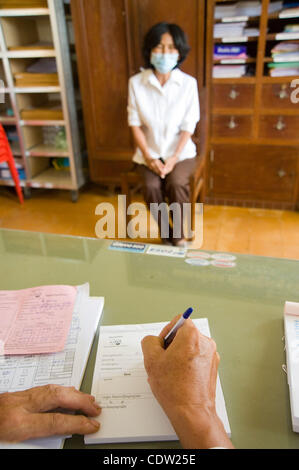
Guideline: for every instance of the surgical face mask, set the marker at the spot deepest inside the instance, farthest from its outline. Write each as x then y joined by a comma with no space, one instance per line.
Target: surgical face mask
164,63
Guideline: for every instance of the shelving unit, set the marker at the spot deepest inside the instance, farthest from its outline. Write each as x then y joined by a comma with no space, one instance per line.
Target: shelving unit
253,125
40,103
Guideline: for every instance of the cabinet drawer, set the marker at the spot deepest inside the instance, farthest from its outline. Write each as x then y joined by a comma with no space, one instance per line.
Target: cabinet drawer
231,126
233,96
279,127
251,172
280,95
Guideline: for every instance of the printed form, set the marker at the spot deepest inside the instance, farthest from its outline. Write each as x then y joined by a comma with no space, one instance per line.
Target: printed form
36,320
64,368
130,412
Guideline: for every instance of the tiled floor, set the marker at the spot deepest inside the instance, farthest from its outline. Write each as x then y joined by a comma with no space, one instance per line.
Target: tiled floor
230,229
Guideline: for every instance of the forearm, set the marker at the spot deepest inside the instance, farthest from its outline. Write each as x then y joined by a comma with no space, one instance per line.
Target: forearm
184,137
199,430
140,141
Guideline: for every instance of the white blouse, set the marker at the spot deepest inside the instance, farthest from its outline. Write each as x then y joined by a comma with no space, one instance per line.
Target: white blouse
164,112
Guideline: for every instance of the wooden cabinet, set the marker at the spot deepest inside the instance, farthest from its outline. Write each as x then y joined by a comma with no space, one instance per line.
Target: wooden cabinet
253,173
109,37
254,137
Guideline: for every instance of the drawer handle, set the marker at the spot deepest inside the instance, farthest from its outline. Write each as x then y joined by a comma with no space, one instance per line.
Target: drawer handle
281,173
232,123
280,125
282,94
233,94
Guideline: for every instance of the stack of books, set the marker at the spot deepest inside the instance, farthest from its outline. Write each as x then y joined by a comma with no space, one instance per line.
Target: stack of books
5,171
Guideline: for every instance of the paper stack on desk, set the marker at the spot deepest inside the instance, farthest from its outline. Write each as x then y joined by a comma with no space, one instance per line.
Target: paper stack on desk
291,328
66,368
130,413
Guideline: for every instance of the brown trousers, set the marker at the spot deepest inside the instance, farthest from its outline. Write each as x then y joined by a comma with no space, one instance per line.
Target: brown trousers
174,188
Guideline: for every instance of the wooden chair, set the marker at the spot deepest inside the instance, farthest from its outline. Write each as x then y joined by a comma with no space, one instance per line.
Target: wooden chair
131,181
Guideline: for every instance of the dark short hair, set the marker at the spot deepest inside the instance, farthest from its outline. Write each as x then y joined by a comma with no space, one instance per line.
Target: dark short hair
153,38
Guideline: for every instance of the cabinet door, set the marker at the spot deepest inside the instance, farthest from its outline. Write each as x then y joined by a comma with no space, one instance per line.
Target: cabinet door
256,173
102,53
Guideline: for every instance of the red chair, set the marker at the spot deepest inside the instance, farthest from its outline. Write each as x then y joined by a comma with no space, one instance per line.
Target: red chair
7,156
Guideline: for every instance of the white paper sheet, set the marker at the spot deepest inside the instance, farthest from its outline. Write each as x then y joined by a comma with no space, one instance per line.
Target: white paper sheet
129,410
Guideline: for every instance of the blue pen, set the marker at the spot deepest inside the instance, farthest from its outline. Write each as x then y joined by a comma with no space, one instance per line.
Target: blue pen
169,337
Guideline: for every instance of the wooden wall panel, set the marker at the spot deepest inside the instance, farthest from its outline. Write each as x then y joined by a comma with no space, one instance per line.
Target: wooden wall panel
189,15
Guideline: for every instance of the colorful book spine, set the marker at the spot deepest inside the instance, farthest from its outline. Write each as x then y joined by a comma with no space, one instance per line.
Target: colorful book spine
229,50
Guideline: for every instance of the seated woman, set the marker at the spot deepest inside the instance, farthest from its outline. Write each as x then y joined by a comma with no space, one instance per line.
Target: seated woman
163,112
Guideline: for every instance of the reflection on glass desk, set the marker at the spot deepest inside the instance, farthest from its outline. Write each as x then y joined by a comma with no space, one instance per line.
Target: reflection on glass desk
244,306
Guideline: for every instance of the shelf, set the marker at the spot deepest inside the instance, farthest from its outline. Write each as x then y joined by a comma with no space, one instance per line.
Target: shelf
43,150
250,60
52,179
232,111
232,40
40,103
276,16
28,53
236,19
40,122
279,79
283,36
9,12
250,80
41,89
7,120
10,182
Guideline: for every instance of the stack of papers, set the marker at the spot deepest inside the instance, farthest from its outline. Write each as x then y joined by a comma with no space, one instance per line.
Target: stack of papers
229,71
275,6
291,31
238,9
291,328
285,57
234,32
24,370
130,412
289,13
285,52
229,29
224,11
230,52
245,10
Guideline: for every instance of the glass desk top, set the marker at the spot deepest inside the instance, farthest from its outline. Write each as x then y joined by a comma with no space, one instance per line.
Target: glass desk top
244,306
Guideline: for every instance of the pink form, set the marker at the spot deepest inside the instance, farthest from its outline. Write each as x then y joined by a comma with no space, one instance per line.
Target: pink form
36,320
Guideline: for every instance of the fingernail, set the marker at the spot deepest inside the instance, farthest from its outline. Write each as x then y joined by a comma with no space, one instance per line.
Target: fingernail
94,423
